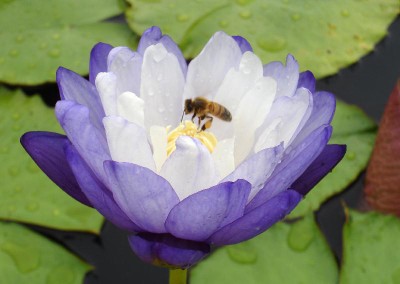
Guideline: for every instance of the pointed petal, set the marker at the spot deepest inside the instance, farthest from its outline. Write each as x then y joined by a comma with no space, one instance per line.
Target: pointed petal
207,71
161,87
47,150
307,80
98,60
152,36
189,168
165,250
320,167
75,88
294,163
96,192
258,220
126,65
143,195
91,145
128,142
257,169
243,44
201,214
286,76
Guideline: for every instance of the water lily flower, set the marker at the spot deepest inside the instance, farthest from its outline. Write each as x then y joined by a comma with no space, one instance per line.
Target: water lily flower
178,190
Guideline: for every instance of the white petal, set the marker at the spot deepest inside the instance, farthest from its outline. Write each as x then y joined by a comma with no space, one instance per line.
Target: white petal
207,71
158,136
106,84
161,87
189,168
131,108
223,157
126,65
287,114
128,142
251,113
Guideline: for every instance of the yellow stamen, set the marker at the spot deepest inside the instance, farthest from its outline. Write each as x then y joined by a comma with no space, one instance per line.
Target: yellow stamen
188,128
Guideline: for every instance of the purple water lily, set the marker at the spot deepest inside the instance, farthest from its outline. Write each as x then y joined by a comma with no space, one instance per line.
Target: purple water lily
180,191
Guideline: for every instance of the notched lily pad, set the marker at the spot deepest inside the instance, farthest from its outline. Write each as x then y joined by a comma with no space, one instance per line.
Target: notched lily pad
371,254
26,257
27,194
323,35
39,36
351,126
264,259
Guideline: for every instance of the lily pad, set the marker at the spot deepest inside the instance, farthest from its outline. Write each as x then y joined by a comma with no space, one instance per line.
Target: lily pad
351,126
371,254
264,259
26,257
27,194
39,36
323,35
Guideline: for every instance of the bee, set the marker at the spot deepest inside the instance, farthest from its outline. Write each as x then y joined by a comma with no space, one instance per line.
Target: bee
203,108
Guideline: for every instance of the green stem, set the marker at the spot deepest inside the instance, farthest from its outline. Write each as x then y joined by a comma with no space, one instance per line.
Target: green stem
177,276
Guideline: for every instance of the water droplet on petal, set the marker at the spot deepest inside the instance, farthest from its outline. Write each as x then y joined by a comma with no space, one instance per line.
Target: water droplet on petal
350,155
150,93
246,14
242,253
14,53
182,17
159,77
301,235
272,44
26,258
61,274
161,109
55,52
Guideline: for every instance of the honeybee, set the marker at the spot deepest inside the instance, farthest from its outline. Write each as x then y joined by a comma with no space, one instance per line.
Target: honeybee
203,108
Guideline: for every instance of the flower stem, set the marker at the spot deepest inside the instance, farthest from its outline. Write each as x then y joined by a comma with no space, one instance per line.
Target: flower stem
177,276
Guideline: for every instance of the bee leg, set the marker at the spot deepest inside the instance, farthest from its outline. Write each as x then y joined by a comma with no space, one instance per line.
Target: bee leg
194,115
183,113
208,123
200,119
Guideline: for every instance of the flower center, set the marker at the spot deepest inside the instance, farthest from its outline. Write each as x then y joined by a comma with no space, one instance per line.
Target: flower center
188,128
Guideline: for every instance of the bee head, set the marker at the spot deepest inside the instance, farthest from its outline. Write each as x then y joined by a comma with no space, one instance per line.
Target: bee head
188,106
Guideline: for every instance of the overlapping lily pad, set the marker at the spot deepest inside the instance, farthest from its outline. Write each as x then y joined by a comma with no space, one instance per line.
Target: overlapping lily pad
323,35
26,257
351,126
371,249
39,36
27,195
265,259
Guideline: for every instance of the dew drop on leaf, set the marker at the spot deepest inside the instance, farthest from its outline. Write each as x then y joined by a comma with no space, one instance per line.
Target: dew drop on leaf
26,259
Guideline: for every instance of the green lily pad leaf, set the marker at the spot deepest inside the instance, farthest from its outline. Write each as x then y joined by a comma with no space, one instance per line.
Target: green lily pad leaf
370,249
351,126
323,35
42,35
26,257
27,194
264,259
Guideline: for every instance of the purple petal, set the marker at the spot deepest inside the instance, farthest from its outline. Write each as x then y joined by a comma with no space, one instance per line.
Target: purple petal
243,44
75,88
286,76
325,162
324,105
258,220
87,139
46,149
201,214
96,192
153,36
144,196
307,80
293,165
98,60
165,250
